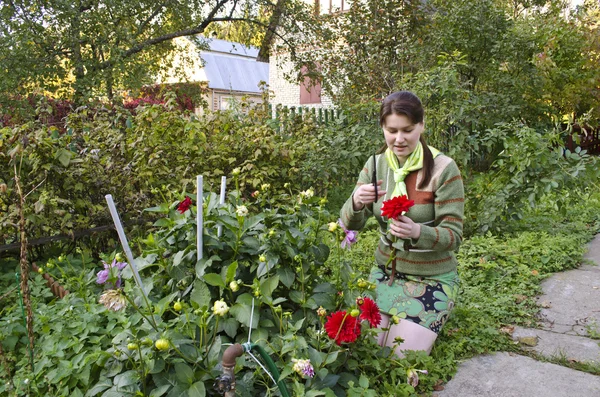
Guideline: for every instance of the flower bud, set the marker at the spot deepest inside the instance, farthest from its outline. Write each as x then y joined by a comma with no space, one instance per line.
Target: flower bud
360,301
236,171
220,308
177,306
321,312
234,286
41,270
262,258
162,344
355,313
132,346
241,210
332,226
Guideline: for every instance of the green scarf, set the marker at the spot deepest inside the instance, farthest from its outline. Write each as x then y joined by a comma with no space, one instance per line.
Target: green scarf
413,162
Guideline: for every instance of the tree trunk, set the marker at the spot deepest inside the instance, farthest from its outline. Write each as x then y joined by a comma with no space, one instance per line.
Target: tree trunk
267,42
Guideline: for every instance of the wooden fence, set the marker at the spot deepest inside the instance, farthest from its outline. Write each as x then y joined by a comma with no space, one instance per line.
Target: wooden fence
320,115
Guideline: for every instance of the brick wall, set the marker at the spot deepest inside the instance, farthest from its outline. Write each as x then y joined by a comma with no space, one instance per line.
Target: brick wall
286,93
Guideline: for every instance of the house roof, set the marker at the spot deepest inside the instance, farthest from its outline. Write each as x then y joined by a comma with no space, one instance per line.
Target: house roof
229,47
233,67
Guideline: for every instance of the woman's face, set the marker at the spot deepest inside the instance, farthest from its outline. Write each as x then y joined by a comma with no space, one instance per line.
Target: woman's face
401,135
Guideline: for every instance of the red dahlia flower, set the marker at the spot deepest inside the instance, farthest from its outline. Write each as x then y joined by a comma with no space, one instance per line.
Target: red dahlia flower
342,327
395,207
370,312
184,205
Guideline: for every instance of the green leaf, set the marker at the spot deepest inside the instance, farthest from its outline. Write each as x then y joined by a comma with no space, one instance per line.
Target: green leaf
127,378
178,257
159,391
313,393
329,381
316,357
184,373
163,208
287,276
164,303
243,309
363,381
200,296
63,156
99,387
267,286
320,252
296,296
331,357
231,272
230,326
215,352
205,263
197,390
214,279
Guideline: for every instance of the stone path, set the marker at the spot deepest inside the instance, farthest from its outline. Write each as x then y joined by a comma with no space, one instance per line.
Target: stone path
570,315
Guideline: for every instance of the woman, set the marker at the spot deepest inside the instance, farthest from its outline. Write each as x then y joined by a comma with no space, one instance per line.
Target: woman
418,293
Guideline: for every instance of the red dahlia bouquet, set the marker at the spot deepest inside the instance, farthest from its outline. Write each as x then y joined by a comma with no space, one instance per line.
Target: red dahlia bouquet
393,209
396,207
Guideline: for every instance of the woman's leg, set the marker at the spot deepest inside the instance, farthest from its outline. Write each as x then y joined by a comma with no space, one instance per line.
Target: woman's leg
415,336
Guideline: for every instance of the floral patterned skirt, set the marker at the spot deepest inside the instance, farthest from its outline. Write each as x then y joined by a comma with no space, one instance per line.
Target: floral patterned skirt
424,300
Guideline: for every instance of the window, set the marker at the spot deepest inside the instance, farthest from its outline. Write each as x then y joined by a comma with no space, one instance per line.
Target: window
310,90
331,6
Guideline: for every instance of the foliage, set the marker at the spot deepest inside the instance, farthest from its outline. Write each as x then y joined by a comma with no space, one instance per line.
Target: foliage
95,49
474,64
530,165
279,255
189,96
268,270
143,155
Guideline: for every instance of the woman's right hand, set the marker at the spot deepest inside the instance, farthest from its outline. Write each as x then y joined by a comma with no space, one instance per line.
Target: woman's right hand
366,195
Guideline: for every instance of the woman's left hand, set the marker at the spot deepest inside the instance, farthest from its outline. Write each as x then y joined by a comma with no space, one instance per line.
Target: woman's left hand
404,227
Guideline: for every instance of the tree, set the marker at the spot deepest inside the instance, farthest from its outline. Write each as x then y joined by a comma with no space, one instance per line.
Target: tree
89,48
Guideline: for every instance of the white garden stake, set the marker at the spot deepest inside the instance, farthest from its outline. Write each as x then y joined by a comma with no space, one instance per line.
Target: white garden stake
222,201
199,211
124,243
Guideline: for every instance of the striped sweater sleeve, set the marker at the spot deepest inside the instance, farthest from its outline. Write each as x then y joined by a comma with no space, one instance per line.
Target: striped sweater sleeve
355,220
449,202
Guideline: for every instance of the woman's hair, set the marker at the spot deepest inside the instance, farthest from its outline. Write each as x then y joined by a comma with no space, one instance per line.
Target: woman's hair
405,103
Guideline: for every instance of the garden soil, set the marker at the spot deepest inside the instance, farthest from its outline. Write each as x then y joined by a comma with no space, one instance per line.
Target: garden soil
569,329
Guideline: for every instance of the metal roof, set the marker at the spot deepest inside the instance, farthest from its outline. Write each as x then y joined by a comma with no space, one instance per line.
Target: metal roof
228,47
233,67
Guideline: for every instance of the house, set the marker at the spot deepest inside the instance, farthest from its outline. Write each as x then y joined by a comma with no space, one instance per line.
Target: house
230,70
308,93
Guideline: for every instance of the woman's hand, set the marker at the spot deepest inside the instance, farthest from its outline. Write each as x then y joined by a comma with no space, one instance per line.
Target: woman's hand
366,195
404,227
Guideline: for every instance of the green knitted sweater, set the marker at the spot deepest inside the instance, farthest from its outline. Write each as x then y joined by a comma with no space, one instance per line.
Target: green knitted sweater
439,208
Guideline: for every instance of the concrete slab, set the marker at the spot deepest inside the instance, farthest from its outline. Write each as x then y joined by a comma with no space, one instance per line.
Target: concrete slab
553,344
593,252
510,375
571,301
